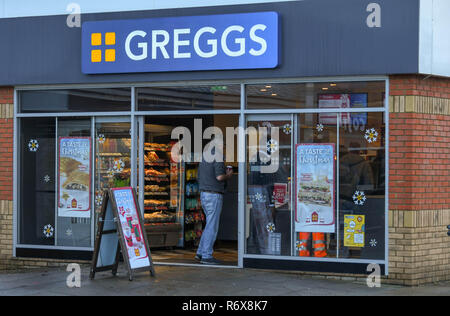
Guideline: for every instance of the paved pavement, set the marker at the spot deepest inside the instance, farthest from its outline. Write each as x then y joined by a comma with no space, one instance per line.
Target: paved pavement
199,281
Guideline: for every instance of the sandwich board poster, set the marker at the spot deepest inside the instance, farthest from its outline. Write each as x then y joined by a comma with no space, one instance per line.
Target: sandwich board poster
131,225
314,188
74,177
120,230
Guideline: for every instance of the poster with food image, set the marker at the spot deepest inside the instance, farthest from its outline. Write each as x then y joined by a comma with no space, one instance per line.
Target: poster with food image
314,188
74,177
132,228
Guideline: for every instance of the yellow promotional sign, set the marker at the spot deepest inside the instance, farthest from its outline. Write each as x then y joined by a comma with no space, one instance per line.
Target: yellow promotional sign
354,227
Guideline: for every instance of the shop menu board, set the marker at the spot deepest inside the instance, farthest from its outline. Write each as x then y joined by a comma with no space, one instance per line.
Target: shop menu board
314,188
120,216
74,177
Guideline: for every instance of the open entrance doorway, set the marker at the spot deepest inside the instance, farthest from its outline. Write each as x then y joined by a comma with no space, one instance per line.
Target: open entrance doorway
169,190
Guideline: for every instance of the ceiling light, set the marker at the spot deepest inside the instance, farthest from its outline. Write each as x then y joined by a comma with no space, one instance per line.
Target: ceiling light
263,90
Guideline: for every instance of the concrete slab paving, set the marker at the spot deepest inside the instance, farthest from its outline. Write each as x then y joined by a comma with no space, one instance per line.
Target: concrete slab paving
198,281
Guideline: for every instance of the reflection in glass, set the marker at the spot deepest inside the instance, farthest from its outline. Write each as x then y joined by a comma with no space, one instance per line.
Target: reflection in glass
362,186
316,95
189,98
112,158
37,181
268,188
75,100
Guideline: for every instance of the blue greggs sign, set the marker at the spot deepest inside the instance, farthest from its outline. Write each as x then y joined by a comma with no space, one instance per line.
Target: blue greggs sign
213,42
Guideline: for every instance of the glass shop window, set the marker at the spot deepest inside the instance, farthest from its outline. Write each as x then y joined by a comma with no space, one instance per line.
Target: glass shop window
322,95
221,97
75,100
37,181
74,194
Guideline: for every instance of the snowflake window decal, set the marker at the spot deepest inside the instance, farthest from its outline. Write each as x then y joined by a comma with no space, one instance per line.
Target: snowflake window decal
287,129
46,178
259,197
48,231
119,165
270,227
359,198
319,127
298,245
272,146
33,145
69,232
371,135
98,199
101,138
373,243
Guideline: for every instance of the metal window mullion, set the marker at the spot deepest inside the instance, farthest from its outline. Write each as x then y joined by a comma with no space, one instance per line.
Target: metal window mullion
276,111
133,148
74,114
16,158
93,166
294,138
242,197
338,135
56,182
386,179
141,163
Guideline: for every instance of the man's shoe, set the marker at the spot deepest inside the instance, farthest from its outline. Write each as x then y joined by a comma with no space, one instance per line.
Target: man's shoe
198,258
211,261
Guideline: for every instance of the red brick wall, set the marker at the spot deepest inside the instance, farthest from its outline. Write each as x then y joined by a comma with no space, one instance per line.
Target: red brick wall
6,143
419,176
419,85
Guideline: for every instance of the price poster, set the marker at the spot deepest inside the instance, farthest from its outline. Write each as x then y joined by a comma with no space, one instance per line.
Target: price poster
74,177
314,188
130,223
280,195
354,227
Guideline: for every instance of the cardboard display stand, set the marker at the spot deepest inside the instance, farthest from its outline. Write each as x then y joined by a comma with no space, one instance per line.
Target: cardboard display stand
121,229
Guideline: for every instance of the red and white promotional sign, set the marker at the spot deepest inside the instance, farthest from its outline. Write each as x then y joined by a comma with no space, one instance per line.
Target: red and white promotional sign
334,101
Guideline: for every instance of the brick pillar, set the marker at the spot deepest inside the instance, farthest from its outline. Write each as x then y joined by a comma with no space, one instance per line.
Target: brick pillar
6,175
419,179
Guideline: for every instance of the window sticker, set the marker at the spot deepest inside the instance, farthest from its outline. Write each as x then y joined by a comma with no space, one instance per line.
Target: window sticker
359,198
371,135
272,146
48,231
101,138
319,127
33,145
287,129
270,227
118,165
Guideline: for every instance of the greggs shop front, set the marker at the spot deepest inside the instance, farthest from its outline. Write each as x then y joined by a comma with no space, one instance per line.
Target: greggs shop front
315,105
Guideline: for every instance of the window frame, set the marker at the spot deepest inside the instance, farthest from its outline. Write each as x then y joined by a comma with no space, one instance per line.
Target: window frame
242,112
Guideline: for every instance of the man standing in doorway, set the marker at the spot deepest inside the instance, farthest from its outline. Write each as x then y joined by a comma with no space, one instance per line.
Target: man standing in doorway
212,177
